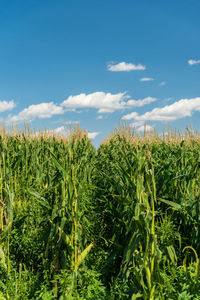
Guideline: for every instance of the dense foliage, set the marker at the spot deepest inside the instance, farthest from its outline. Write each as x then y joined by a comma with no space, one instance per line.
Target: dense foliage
120,222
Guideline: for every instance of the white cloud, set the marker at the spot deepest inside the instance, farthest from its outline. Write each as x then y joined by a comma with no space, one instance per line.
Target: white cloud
148,128
6,105
162,83
99,117
104,102
140,126
92,135
105,110
193,62
131,116
62,130
41,111
146,79
180,109
137,123
140,102
124,67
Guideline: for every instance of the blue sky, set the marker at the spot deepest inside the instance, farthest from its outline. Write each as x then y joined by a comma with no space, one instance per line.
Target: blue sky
99,62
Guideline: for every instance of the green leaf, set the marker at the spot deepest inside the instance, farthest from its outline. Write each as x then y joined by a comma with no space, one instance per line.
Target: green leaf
171,203
2,258
41,200
172,254
58,165
83,255
135,296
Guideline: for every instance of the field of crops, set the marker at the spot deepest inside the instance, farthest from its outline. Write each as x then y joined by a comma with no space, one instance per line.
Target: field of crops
120,222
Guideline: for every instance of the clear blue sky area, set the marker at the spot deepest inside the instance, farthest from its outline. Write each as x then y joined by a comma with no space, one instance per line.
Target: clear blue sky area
98,62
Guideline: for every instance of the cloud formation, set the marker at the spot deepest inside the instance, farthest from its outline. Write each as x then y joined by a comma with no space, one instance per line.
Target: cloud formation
193,62
178,110
41,111
148,128
146,79
140,102
62,130
92,135
125,67
7,105
104,102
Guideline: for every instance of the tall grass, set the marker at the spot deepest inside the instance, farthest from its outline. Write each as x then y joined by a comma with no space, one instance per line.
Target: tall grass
120,222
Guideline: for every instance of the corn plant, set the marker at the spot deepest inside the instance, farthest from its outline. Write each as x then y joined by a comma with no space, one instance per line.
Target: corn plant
121,222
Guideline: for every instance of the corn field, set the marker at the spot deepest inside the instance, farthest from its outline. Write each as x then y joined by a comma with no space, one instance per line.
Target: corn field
119,222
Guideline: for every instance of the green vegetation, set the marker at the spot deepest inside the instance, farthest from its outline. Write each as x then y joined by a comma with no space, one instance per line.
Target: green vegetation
120,222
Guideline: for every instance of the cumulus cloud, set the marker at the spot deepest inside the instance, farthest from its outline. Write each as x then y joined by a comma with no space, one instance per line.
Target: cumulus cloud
104,102
41,111
125,67
193,62
131,116
148,128
146,79
137,123
178,110
92,135
62,130
140,102
7,105
140,126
